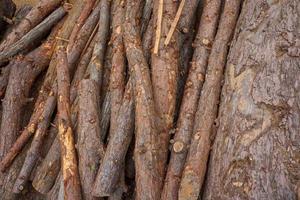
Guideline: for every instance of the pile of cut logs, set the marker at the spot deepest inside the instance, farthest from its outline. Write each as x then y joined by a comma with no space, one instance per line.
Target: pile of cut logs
150,99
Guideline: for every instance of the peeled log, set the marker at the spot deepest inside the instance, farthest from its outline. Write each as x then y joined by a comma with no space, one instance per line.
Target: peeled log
256,150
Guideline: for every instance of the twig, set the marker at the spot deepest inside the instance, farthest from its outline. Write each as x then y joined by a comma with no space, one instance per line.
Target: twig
174,23
96,65
158,26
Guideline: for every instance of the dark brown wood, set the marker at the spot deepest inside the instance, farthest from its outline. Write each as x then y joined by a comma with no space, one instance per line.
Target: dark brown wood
112,165
89,144
147,41
82,36
195,166
69,165
258,137
117,76
49,168
20,14
33,34
105,115
96,64
148,172
54,192
193,86
191,12
85,13
33,153
146,16
164,79
7,10
49,83
28,68
34,17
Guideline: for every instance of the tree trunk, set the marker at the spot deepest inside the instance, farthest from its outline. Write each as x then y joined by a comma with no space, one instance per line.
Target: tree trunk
256,150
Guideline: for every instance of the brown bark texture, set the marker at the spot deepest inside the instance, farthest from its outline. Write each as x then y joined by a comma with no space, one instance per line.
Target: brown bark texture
49,168
35,16
85,13
193,86
256,150
112,165
49,83
117,76
24,71
33,35
89,144
195,165
148,171
164,79
69,165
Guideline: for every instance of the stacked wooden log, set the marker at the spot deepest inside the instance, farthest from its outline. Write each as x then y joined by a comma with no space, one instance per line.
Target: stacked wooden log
149,100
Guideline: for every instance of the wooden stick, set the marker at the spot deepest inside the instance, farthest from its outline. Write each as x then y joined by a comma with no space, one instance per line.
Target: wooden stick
85,13
33,152
33,35
83,36
164,82
174,23
35,16
117,75
33,68
147,40
195,166
49,168
147,11
148,174
158,26
70,173
90,146
204,39
48,83
96,65
112,165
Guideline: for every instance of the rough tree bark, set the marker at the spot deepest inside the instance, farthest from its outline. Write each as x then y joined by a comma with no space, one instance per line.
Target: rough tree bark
89,4
256,150
35,16
89,144
33,34
148,170
164,79
117,76
69,162
49,168
49,83
112,165
195,165
183,134
24,71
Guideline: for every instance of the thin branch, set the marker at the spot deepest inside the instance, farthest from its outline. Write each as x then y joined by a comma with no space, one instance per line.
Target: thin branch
158,26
